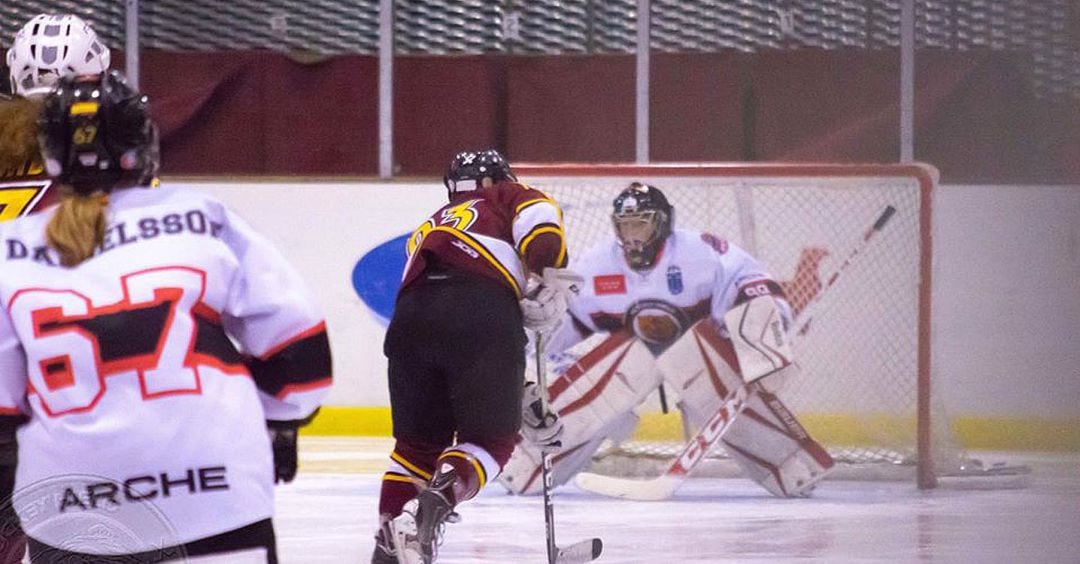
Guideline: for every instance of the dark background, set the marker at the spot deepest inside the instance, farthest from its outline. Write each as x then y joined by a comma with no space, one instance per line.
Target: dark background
264,113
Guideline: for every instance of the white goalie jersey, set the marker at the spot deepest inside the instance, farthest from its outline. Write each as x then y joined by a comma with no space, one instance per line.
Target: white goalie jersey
146,373
696,275
632,331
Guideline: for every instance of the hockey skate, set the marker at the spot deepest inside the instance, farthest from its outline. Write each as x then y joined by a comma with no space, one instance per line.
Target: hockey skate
417,532
384,552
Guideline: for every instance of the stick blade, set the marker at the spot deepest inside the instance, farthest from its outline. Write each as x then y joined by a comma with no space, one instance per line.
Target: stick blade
656,489
584,551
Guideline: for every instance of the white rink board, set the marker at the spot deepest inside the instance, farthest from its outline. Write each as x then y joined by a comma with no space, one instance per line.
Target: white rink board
1006,270
324,229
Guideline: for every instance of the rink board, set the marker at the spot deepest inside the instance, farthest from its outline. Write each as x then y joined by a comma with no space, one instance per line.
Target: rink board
327,229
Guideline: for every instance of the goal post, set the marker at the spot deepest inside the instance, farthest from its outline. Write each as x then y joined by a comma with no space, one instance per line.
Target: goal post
863,342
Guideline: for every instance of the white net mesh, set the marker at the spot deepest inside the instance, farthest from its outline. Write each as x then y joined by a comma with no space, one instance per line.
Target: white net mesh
857,392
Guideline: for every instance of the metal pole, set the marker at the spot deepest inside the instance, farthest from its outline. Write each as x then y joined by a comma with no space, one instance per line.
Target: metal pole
641,148
907,81
386,88
131,43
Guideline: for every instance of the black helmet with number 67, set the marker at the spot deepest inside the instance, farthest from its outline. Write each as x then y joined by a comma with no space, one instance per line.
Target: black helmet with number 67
96,134
643,220
469,170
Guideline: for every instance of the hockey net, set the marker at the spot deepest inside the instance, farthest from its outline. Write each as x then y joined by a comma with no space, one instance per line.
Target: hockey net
864,390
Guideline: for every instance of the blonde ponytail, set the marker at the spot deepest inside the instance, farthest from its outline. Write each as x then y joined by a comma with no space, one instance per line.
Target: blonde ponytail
78,228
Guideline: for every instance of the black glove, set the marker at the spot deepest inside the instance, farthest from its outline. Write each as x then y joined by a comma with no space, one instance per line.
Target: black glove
283,441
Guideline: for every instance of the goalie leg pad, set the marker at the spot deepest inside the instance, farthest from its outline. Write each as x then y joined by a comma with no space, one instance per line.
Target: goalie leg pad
700,369
774,450
606,377
523,474
610,377
766,440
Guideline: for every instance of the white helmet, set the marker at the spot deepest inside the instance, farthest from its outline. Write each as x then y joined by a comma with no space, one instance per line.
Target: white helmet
51,46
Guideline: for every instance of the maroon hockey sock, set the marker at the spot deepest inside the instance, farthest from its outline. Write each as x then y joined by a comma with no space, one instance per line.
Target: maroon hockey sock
412,463
395,493
475,464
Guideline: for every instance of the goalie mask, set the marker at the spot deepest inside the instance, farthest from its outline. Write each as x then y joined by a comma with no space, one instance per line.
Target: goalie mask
469,170
49,47
643,220
96,134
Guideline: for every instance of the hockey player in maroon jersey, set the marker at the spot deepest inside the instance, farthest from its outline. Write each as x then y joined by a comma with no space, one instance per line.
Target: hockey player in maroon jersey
158,353
456,348
44,49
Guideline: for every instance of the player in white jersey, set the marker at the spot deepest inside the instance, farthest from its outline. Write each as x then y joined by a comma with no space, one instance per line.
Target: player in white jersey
45,48
648,289
149,338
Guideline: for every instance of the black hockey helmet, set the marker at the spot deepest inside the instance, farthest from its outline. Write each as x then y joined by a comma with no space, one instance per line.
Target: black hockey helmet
643,220
469,169
96,134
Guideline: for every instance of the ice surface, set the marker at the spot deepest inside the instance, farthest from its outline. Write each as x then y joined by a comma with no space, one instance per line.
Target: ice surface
329,515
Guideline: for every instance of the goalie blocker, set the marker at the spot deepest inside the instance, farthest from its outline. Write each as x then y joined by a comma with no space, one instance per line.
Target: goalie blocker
612,374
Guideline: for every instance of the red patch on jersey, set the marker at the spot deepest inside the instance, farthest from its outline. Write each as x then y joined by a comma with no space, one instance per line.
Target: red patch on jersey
609,284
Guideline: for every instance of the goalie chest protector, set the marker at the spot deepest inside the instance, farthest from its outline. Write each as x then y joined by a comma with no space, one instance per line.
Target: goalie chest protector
695,276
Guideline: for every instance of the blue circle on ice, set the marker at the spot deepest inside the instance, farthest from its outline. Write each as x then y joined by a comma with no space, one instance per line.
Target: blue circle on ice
377,275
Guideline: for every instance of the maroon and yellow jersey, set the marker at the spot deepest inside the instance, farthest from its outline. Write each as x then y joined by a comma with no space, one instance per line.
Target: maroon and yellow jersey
503,232
23,190
23,184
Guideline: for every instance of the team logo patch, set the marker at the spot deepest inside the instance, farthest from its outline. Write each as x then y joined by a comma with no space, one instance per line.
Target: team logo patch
674,280
608,284
656,322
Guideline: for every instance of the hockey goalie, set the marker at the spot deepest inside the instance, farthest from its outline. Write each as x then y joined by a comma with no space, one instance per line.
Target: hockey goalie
687,311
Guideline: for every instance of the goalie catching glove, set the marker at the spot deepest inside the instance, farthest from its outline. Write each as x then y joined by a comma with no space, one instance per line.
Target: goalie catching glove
547,298
540,425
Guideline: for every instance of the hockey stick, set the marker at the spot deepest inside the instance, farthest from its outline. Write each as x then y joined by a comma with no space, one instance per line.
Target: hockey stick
583,551
878,225
664,486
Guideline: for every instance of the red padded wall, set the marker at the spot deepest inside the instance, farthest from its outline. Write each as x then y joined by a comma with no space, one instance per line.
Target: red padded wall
977,118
